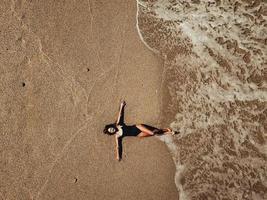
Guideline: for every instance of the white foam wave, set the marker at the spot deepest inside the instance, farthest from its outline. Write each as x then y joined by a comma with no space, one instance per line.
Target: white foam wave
217,62
138,29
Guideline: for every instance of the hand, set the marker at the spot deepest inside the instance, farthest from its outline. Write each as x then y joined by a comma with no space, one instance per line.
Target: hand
123,103
118,158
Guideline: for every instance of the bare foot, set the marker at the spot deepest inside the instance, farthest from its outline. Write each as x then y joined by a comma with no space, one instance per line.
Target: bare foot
172,132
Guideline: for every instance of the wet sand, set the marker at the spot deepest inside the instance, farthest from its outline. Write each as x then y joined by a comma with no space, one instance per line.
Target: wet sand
213,92
64,67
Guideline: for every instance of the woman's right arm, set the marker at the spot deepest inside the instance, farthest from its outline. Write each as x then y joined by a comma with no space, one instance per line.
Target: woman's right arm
117,148
120,119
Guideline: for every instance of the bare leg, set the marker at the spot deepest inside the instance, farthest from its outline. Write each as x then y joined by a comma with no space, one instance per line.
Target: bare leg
147,132
144,134
144,129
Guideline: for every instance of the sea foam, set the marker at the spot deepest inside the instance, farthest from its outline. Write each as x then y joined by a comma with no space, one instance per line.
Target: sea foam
214,55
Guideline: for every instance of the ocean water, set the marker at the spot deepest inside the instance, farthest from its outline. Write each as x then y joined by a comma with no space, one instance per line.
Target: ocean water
214,91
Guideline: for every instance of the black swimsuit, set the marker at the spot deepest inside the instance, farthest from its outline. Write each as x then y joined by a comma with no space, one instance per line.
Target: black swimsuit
130,130
134,131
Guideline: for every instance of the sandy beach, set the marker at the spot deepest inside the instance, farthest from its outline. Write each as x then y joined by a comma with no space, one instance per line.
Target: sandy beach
64,66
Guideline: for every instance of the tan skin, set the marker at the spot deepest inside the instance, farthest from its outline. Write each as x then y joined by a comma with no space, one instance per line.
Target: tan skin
145,131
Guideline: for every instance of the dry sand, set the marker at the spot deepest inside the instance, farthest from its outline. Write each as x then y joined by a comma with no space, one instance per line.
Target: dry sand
64,65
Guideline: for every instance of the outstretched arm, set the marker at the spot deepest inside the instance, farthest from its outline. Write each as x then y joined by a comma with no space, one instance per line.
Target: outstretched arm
118,147
120,119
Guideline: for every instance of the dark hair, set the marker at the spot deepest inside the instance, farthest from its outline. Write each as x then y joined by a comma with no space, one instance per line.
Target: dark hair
105,131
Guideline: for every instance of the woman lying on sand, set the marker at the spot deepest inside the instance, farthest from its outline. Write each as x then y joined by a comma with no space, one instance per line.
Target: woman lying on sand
120,130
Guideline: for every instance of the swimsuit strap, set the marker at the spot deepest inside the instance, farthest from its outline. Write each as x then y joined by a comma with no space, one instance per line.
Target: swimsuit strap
120,131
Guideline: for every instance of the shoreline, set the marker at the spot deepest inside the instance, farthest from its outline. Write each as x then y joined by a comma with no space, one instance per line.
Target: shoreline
213,93
163,120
